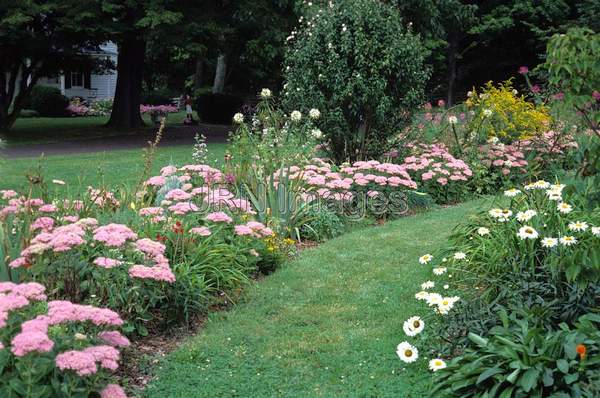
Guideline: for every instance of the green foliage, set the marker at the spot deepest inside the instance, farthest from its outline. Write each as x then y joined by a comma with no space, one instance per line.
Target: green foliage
323,224
48,101
520,359
358,63
269,140
573,68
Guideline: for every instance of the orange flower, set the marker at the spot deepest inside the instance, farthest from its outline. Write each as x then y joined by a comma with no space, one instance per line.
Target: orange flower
581,350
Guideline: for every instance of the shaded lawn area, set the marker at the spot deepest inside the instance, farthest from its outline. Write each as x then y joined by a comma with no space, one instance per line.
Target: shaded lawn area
49,129
326,324
114,168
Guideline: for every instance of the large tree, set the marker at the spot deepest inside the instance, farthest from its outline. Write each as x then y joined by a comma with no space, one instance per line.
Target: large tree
130,23
41,38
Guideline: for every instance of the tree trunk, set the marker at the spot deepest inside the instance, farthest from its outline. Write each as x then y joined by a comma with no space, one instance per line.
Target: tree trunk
219,83
14,91
452,50
198,74
130,66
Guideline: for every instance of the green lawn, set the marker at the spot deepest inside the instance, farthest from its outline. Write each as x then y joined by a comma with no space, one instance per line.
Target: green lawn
47,129
81,170
325,325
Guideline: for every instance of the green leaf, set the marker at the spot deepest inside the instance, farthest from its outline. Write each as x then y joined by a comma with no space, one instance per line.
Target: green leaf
529,379
563,365
488,373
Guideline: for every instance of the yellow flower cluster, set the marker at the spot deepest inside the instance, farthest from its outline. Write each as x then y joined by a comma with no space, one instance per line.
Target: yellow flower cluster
502,113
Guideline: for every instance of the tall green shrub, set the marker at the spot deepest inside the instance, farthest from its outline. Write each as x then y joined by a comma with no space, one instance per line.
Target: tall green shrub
48,101
363,68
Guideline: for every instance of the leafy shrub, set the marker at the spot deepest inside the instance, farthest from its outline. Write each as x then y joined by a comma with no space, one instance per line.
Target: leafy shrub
218,108
56,348
48,101
522,360
500,112
101,107
358,64
322,224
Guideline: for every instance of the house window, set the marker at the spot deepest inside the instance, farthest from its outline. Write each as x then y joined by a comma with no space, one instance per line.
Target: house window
76,79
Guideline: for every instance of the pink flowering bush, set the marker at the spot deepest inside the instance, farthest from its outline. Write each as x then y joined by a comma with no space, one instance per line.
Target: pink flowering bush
56,348
438,172
368,186
90,263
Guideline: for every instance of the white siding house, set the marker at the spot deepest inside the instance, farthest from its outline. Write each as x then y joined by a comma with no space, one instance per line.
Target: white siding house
86,84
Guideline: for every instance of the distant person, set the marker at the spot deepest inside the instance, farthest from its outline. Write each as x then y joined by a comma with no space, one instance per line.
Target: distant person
189,119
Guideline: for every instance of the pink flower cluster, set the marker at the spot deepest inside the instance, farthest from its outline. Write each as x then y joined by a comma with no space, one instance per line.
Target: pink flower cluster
219,216
253,228
340,185
508,159
114,235
84,362
16,296
200,231
435,163
160,109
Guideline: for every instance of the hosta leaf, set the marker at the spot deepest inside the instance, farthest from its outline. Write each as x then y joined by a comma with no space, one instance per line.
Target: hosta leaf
563,366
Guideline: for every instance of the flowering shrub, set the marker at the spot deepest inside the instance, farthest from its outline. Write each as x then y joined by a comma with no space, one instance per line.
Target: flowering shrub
373,186
438,172
499,112
93,264
56,348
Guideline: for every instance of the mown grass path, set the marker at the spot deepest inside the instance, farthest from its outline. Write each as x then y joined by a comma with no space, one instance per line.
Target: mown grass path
325,325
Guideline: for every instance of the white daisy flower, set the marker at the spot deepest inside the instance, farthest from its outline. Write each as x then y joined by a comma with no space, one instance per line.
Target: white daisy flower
549,242
511,193
406,352
596,231
452,119
568,240
527,232
446,304
433,299
541,184
437,364
295,116
529,187
460,256
439,271
413,326
526,215
422,295
427,285
446,287
424,259
578,226
564,208
483,231
495,213
554,196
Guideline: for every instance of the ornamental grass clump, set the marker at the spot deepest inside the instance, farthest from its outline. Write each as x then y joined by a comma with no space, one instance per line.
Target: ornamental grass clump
56,348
